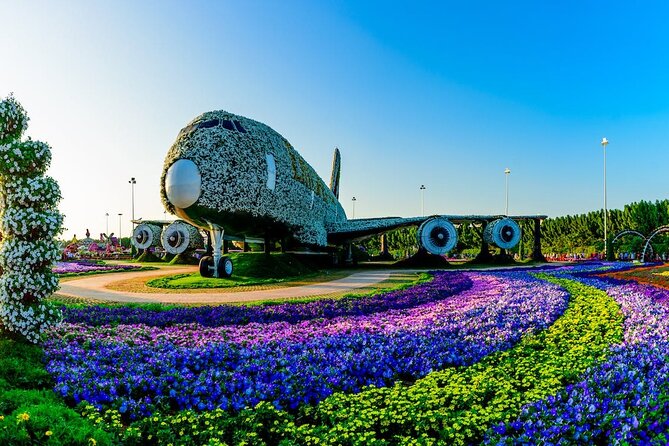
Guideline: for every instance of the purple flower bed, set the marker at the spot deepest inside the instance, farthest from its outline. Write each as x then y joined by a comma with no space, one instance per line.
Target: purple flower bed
623,400
141,370
79,267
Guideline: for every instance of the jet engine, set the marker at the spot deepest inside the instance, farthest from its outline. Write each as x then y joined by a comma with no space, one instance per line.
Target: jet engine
503,233
437,235
179,237
146,235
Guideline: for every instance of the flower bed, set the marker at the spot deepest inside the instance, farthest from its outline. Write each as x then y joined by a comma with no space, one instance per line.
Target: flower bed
452,406
498,357
624,399
139,369
65,269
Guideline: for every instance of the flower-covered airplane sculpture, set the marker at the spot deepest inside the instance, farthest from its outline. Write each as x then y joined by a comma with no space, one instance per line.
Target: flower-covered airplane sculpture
228,173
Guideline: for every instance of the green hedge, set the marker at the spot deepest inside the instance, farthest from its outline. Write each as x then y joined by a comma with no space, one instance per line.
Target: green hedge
30,412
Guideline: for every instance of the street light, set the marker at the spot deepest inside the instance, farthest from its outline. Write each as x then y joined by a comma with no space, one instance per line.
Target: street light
604,143
422,200
507,171
107,228
132,186
119,231
353,213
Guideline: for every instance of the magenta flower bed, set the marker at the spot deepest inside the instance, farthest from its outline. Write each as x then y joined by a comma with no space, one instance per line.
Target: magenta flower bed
80,267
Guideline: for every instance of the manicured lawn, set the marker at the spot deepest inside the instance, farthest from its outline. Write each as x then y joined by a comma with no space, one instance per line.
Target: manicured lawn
249,269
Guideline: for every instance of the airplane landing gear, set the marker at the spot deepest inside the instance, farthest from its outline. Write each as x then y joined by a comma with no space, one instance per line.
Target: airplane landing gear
218,265
207,266
224,269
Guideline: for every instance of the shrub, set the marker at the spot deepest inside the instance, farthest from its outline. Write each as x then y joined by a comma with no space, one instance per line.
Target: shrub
50,422
21,365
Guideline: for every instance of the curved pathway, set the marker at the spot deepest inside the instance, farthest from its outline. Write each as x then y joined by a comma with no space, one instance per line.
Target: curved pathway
95,287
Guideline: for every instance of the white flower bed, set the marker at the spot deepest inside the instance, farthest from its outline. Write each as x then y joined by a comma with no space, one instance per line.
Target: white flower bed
29,220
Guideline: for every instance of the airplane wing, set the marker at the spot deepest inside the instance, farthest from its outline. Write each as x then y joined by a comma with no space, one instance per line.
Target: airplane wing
360,229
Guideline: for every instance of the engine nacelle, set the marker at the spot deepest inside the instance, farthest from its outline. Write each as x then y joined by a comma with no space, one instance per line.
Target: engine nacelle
146,235
179,237
437,235
503,233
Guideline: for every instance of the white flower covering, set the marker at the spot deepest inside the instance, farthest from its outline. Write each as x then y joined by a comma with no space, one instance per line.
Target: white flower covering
29,220
179,237
504,233
17,285
235,177
33,192
25,158
13,120
20,255
146,235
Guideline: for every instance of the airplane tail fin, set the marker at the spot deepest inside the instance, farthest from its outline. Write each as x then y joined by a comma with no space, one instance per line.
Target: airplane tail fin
336,170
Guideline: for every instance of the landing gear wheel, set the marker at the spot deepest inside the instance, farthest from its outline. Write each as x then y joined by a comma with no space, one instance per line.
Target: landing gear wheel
225,267
207,266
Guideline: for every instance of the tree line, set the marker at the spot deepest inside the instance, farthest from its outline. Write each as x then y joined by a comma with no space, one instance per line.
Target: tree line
581,233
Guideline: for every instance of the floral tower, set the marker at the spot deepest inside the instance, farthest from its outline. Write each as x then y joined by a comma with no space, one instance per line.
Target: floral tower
29,222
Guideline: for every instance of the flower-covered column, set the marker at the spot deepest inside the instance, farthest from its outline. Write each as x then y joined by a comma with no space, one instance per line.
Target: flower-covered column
29,221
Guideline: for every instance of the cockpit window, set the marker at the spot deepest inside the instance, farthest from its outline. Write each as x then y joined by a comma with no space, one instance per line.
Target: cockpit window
271,171
227,124
239,127
208,124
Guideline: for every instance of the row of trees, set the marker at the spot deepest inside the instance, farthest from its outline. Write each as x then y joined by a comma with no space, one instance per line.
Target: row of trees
583,233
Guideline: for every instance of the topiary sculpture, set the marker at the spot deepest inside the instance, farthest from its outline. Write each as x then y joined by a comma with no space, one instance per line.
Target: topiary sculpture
29,221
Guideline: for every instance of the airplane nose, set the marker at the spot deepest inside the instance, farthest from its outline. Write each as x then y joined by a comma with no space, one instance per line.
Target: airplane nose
183,183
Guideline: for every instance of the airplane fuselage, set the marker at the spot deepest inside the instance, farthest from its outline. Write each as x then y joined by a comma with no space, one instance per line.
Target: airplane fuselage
239,175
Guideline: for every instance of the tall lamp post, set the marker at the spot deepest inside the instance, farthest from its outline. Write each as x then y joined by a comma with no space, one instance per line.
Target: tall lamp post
107,227
119,230
422,200
507,171
132,187
604,143
353,200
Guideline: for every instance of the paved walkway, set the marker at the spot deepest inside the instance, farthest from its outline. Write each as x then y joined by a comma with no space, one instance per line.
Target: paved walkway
95,287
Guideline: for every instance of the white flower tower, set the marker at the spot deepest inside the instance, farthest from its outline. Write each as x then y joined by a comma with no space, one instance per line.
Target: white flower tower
29,222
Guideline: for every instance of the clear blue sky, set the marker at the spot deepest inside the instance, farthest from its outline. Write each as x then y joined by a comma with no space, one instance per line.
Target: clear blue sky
446,95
